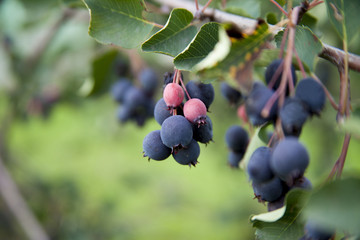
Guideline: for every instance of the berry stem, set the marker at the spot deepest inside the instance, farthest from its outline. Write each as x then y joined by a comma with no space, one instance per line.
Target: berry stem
206,5
301,66
279,7
183,85
343,154
283,41
175,76
197,5
339,164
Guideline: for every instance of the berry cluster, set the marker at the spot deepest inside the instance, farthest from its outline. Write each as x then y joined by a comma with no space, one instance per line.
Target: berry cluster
183,125
279,167
135,103
262,104
275,171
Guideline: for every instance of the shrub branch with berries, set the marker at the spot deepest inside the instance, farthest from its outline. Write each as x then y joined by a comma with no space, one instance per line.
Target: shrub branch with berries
225,47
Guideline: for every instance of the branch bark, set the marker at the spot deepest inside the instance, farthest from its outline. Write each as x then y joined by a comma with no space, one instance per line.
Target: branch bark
18,206
330,53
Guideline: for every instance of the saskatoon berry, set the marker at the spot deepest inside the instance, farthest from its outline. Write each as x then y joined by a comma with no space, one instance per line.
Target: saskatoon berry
278,203
315,232
232,95
268,191
289,159
154,147
312,94
188,155
237,139
124,113
119,89
293,115
195,111
270,72
204,92
234,159
173,95
148,80
255,103
161,111
203,133
259,165
303,183
176,131
135,98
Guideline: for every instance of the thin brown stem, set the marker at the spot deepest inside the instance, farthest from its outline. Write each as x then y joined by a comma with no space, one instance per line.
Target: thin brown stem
301,66
283,41
197,5
206,6
279,7
343,154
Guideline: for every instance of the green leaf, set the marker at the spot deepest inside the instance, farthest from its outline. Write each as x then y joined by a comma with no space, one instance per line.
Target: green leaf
284,223
102,68
119,22
344,15
74,3
238,63
210,46
336,205
307,45
248,8
257,140
175,36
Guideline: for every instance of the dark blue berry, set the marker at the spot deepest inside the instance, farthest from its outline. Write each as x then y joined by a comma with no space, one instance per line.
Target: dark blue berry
188,155
237,139
119,89
268,191
234,159
255,103
312,94
124,113
303,183
232,95
293,115
148,80
204,92
176,131
161,111
154,147
316,232
289,159
258,167
270,72
135,98
203,133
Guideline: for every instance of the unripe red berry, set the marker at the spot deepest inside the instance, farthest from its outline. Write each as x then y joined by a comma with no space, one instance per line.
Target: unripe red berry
173,95
241,112
195,111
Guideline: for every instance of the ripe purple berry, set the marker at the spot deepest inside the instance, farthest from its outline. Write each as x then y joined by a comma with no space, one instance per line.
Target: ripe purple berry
176,132
154,147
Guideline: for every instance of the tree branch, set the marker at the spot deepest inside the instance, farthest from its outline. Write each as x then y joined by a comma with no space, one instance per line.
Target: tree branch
330,53
18,206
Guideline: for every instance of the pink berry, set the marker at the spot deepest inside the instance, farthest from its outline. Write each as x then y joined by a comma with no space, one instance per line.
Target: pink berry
173,95
195,111
241,112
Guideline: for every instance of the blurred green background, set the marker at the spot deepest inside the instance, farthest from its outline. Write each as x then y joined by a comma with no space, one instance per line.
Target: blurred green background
83,174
